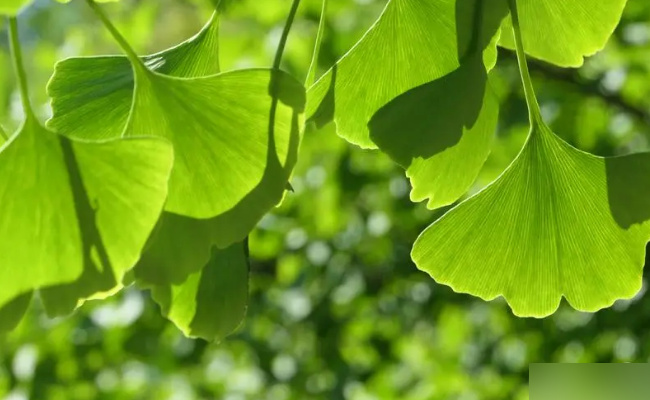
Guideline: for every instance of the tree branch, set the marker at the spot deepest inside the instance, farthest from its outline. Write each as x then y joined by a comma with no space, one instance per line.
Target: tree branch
588,87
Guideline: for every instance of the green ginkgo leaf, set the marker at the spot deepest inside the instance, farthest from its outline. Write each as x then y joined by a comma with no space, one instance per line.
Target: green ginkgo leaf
92,96
13,7
558,223
442,131
69,206
221,147
412,43
564,32
211,303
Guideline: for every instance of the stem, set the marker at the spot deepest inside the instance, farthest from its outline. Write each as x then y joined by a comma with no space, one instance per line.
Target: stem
313,66
534,112
285,34
474,44
124,45
17,56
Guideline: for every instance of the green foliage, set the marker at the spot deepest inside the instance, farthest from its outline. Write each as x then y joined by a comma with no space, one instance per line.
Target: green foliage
336,308
420,86
92,96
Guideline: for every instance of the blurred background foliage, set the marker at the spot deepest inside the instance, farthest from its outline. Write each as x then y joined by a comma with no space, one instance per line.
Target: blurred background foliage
337,311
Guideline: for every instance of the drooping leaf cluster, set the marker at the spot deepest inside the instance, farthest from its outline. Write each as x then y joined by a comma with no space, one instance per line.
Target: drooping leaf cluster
154,169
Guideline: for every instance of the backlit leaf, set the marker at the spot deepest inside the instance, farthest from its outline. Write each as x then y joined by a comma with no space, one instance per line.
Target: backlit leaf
559,222
221,131
92,96
70,207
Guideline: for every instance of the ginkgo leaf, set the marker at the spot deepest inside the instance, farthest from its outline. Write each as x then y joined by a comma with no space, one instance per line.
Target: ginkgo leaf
211,303
12,313
180,245
221,147
412,43
70,206
13,7
564,32
558,223
92,96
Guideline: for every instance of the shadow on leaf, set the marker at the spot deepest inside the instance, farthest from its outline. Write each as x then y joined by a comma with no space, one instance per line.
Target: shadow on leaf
180,245
433,117
97,275
628,188
430,118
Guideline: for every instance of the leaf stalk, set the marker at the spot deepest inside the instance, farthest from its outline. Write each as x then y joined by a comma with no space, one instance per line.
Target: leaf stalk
534,112
285,34
136,61
313,66
17,56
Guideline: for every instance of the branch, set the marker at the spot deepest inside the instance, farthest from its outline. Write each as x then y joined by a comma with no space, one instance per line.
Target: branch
588,87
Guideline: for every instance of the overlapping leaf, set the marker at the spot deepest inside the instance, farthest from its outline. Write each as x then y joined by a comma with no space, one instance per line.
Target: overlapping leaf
559,222
180,245
219,125
564,32
211,303
71,208
442,131
413,42
92,96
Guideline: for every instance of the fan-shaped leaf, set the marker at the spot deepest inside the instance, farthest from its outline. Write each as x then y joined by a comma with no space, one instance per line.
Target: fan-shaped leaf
92,96
559,222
